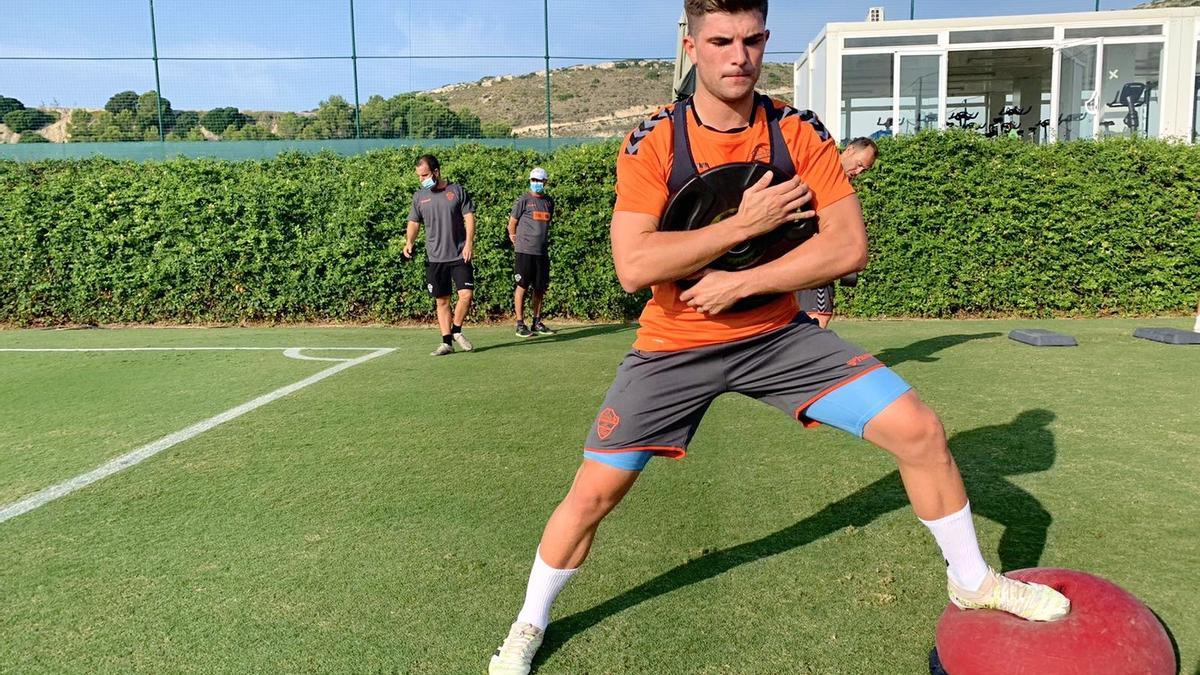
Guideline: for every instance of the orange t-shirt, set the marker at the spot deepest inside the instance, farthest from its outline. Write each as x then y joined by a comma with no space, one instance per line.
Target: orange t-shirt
643,168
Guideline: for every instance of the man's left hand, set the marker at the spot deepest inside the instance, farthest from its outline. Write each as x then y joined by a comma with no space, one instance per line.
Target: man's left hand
715,292
468,253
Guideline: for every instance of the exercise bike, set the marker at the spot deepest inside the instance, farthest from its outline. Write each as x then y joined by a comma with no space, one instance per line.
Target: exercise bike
1012,122
964,118
887,124
1132,96
1069,120
1044,127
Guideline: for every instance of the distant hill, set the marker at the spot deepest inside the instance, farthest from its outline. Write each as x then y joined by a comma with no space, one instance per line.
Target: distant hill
588,100
604,99
1159,4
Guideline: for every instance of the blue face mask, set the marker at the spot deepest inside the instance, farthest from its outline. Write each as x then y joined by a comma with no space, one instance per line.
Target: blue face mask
539,188
428,183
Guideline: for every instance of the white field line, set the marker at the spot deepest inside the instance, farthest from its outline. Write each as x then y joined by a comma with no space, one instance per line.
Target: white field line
294,353
194,349
9,511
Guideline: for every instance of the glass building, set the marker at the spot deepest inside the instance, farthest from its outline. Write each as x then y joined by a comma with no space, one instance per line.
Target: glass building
1039,77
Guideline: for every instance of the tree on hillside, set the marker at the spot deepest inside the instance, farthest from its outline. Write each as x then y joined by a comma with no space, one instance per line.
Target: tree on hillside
429,119
382,118
147,112
468,124
335,119
291,126
126,100
79,126
8,105
28,119
1159,4
496,130
218,120
185,121
102,126
250,132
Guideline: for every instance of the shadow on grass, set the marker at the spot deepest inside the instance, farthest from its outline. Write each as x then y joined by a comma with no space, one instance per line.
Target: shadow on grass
987,456
1174,644
563,335
922,351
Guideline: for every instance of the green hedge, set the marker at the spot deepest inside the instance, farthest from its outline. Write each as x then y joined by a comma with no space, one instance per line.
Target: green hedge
964,225
959,226
297,238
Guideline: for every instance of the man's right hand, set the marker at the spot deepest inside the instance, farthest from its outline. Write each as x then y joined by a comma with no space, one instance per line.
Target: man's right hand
408,249
765,207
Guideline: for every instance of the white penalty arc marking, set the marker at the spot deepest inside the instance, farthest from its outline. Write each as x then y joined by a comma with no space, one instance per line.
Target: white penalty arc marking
294,353
9,511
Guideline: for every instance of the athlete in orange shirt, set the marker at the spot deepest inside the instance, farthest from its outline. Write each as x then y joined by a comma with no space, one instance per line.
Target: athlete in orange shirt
690,348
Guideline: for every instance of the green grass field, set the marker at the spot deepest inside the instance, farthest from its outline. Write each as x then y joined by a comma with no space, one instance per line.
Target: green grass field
383,519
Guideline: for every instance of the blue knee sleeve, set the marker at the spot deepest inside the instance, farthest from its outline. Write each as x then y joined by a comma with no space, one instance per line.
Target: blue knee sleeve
634,460
851,406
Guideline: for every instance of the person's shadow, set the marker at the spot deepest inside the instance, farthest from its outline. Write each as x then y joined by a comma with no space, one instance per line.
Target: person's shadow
922,351
987,456
563,335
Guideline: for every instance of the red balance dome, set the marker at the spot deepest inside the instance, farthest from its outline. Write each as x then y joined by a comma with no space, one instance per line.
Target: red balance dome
1108,632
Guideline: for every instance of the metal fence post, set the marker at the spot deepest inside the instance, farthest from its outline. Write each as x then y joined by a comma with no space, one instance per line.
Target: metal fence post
354,60
549,117
162,133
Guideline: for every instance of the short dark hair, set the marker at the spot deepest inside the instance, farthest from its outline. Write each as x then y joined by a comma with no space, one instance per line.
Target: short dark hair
696,9
863,143
429,161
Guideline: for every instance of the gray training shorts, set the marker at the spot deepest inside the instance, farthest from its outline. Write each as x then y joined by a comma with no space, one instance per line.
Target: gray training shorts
657,400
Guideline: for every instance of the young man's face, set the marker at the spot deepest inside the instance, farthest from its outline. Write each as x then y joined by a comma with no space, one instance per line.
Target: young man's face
857,161
728,52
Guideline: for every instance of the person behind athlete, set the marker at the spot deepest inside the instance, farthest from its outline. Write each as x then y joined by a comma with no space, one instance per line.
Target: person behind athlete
528,224
690,349
858,158
449,217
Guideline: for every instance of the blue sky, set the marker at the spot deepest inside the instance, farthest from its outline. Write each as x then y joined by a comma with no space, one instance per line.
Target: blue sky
477,30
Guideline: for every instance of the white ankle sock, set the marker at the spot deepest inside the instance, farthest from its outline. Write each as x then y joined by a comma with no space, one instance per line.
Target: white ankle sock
544,584
955,535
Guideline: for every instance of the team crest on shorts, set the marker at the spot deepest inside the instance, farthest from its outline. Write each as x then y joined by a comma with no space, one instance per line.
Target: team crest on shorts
430,287
859,359
607,423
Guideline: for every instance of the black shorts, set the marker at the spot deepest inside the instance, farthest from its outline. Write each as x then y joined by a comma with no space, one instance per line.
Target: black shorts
532,271
439,275
816,300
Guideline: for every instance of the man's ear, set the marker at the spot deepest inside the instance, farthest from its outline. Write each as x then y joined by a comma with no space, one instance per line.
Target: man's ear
689,47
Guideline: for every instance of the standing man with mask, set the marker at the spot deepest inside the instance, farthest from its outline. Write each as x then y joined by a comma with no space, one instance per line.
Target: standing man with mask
858,158
448,214
527,227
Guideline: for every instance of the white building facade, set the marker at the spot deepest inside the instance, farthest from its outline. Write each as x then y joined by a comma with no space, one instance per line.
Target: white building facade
1039,77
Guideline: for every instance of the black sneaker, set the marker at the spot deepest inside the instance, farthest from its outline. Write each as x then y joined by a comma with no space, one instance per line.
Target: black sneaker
523,331
541,329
